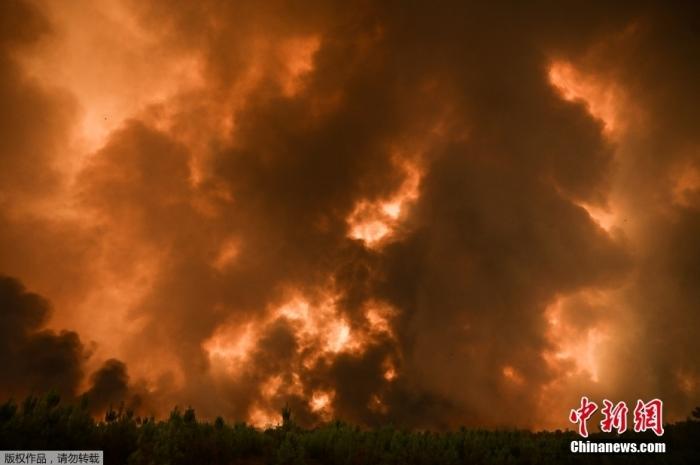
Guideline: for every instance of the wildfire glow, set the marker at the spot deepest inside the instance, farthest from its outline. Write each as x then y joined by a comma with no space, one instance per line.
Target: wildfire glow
601,99
605,218
262,418
320,403
379,314
374,222
230,346
578,345
319,329
228,199
390,373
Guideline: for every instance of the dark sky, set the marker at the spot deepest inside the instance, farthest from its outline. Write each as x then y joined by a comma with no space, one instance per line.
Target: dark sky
431,215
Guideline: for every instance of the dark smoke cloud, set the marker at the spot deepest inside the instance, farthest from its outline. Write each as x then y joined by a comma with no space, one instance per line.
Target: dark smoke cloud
109,386
273,162
34,359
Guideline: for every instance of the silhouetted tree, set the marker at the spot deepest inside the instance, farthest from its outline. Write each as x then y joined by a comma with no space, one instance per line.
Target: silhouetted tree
46,423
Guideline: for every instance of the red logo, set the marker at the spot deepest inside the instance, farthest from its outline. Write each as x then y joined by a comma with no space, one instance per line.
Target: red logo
614,417
582,414
647,416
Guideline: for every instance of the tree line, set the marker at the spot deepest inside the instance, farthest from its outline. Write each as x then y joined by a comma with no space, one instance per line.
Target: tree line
45,423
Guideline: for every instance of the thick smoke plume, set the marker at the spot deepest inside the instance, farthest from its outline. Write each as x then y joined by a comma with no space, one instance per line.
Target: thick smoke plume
431,215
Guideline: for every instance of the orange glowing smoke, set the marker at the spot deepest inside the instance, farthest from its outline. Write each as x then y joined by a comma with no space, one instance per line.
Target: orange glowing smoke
512,375
603,217
601,98
320,331
297,58
580,346
229,347
321,403
687,185
375,222
605,101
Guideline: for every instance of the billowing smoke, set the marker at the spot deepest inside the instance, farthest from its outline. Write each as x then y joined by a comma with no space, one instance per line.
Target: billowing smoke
426,215
34,359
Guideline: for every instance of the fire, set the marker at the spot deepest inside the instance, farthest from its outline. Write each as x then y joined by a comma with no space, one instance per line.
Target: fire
321,331
321,403
272,386
605,218
378,317
374,222
262,418
339,337
370,231
390,373
582,346
230,345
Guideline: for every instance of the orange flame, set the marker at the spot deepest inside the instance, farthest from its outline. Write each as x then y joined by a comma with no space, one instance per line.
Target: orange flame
375,222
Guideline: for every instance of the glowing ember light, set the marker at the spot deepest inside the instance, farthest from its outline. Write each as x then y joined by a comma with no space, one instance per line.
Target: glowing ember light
369,231
321,404
297,309
339,337
390,374
262,418
374,222
573,344
601,99
392,209
320,400
271,387
230,346
320,329
378,315
606,219
377,405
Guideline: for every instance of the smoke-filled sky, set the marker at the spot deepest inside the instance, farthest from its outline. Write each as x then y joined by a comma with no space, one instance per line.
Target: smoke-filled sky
434,215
